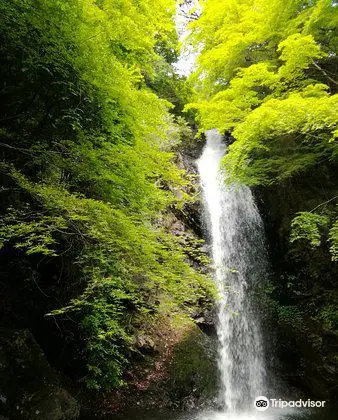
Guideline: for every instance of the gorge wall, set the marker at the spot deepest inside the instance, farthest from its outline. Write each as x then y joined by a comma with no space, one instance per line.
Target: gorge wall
302,300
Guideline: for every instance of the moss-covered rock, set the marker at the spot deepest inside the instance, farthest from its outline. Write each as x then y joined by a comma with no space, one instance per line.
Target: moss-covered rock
29,387
193,376
302,294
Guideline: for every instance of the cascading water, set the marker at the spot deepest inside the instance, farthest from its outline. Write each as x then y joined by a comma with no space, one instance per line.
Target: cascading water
236,235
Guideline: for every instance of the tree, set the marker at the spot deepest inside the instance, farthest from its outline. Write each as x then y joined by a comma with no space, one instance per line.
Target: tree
266,74
87,172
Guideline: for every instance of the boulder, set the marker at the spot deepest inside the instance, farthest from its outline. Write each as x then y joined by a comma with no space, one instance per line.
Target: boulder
193,370
29,387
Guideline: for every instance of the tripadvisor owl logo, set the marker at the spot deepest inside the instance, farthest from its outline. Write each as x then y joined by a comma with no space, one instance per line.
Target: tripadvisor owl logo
261,403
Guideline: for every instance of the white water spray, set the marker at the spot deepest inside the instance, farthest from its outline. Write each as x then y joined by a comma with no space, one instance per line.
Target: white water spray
238,253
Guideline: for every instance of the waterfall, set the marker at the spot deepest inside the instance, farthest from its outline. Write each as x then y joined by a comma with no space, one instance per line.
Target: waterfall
236,235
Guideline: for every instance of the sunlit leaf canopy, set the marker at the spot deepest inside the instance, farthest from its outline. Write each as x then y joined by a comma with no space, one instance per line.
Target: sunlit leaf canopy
86,132
266,77
265,73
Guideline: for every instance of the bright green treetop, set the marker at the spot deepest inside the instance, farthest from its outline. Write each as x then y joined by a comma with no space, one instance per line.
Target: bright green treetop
266,75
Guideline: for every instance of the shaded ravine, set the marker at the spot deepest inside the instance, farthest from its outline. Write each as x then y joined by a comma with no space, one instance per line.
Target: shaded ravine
236,235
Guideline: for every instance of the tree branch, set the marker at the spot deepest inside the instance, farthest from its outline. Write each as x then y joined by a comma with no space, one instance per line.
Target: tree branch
325,202
324,73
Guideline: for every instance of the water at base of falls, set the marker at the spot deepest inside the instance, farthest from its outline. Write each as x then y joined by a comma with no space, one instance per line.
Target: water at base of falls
249,415
278,415
237,242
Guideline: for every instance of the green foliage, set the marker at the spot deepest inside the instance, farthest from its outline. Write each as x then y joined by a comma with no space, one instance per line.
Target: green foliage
307,226
87,169
297,52
284,137
291,316
265,76
333,235
328,315
35,236
313,227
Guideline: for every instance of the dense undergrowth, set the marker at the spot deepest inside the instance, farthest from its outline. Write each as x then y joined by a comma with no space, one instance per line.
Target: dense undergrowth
86,169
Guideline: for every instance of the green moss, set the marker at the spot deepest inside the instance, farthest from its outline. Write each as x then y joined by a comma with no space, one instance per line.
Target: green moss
193,369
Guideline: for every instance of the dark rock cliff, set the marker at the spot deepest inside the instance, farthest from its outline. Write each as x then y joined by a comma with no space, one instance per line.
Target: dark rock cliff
29,387
302,295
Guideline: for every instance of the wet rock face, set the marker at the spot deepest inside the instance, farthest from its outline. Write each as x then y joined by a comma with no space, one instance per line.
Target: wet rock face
146,345
206,322
193,371
29,388
192,213
304,284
